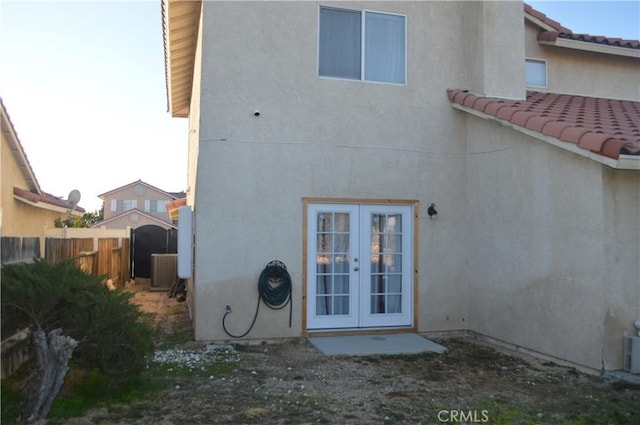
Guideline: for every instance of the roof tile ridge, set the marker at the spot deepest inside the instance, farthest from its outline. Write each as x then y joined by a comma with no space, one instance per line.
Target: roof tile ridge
544,18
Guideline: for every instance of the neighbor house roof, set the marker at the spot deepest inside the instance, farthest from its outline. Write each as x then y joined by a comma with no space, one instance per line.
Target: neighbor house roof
10,134
554,34
43,197
140,214
173,207
172,195
33,195
606,127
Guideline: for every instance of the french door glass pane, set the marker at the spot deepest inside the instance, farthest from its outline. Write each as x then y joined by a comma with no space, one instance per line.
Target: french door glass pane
341,284
394,283
394,304
325,243
323,284
324,263
323,306
332,264
386,263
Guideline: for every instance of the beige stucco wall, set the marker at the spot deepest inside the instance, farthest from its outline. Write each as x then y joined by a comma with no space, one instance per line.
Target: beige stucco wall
19,218
524,248
193,155
493,48
621,221
319,137
554,241
585,73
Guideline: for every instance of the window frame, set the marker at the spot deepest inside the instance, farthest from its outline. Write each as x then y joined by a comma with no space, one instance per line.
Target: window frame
528,60
124,202
155,205
363,13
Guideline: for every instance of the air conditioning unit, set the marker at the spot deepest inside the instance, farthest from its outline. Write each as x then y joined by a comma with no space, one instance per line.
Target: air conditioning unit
632,354
164,269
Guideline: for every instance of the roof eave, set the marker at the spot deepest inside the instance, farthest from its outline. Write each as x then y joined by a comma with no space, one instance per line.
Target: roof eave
9,132
179,29
629,162
160,222
624,162
49,207
592,47
140,182
539,23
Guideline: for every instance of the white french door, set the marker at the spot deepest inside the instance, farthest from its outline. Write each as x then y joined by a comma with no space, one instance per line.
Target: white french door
359,266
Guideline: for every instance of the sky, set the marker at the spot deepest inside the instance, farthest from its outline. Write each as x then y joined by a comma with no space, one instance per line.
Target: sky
84,85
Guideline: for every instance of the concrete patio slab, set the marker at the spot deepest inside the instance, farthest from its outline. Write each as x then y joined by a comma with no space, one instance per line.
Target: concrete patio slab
366,345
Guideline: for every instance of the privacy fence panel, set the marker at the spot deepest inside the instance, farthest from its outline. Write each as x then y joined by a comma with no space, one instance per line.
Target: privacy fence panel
17,249
57,249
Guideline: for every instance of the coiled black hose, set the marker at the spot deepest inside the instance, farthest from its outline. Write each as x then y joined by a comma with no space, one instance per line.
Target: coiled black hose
274,288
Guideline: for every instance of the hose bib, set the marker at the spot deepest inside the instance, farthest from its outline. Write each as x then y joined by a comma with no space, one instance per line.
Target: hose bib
274,289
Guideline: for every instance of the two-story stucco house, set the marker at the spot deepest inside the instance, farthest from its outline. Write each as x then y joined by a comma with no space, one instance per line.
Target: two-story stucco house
321,133
137,204
25,209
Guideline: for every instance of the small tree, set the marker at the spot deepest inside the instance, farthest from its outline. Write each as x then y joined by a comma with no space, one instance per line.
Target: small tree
87,219
67,307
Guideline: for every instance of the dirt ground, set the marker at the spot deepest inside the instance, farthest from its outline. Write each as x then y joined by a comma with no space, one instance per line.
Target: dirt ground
292,383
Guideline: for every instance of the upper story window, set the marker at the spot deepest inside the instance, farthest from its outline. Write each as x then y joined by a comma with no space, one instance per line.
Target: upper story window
365,45
535,71
122,205
155,205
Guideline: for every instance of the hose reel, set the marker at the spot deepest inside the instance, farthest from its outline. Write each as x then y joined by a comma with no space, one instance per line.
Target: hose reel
274,289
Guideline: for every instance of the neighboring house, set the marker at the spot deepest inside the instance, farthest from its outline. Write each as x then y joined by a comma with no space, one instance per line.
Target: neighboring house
137,204
304,151
25,209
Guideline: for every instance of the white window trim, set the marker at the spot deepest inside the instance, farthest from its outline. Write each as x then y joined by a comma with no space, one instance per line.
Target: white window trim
362,46
546,72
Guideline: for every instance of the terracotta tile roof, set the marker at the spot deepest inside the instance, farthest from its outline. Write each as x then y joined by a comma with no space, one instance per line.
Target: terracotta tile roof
173,207
552,36
34,193
45,197
542,17
604,126
562,32
177,195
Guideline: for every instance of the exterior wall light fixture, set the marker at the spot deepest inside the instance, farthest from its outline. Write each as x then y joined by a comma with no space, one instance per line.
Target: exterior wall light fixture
432,211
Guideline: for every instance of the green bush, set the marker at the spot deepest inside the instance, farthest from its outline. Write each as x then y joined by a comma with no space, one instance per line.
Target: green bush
113,334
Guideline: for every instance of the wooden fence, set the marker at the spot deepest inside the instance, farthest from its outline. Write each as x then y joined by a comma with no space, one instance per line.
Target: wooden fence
16,249
111,259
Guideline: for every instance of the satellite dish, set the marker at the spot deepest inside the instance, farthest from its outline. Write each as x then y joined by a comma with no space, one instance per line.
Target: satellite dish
74,198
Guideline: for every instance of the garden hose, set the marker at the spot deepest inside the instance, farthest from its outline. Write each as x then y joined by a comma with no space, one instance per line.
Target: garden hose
274,289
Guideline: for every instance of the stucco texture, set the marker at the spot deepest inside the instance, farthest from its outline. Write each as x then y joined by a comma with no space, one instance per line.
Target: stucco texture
523,246
20,219
549,267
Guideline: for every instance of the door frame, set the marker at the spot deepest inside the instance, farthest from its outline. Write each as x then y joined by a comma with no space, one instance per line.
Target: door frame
359,201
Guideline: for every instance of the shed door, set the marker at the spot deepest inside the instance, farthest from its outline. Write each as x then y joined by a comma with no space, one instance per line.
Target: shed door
359,266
